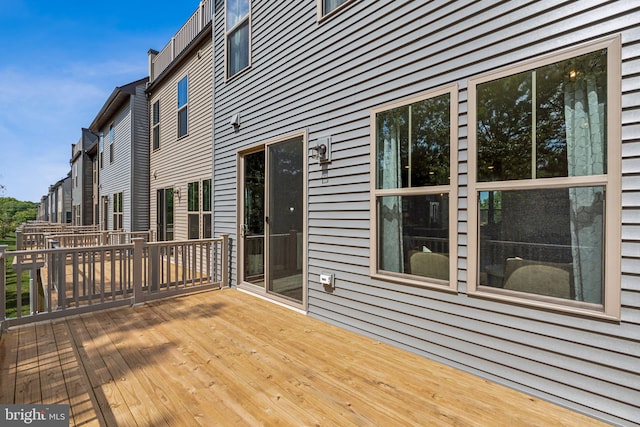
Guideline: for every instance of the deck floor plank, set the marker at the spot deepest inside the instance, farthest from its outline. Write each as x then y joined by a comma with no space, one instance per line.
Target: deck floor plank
82,408
111,404
227,358
147,354
28,374
8,366
52,385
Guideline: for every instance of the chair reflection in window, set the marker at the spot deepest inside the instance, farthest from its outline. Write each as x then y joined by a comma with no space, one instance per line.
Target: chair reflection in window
430,264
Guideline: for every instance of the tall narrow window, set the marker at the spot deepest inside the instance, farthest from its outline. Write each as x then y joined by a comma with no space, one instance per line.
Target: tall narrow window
101,150
206,209
237,35
156,125
194,210
414,201
118,211
183,101
543,180
112,137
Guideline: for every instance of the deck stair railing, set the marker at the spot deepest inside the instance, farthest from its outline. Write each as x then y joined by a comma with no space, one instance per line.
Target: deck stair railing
71,280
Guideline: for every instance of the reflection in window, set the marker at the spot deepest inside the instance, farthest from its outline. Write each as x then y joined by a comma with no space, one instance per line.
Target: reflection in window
563,102
237,34
413,168
423,222
183,101
329,5
562,249
549,122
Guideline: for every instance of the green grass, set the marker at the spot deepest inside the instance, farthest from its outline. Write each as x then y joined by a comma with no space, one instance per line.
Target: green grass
11,286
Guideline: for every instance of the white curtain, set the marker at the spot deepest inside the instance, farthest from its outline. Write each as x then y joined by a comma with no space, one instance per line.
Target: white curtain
585,129
390,207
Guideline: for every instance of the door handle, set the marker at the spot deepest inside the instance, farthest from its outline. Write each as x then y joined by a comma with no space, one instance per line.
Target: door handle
243,231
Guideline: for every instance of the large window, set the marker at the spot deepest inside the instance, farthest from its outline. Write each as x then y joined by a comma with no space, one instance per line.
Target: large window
237,35
415,171
193,207
543,180
183,101
156,125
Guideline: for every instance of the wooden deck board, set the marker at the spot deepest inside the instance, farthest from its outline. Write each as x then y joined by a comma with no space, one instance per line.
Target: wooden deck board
227,358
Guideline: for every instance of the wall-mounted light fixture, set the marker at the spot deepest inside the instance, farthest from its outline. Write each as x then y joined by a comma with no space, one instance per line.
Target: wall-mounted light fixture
235,121
322,150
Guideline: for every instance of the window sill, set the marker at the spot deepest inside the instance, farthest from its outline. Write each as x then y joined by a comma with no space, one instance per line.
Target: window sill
532,301
406,279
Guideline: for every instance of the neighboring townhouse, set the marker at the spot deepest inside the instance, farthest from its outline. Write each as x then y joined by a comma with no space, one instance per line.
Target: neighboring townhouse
179,94
43,209
458,179
84,174
122,128
59,201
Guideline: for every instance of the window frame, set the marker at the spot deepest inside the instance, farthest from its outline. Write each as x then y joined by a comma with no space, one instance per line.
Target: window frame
155,125
181,107
451,190
610,308
230,31
322,15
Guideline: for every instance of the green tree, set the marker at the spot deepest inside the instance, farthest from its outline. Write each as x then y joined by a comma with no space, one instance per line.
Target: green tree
14,212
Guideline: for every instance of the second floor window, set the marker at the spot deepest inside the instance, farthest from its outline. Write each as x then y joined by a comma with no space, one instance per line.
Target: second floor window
156,125
183,101
237,35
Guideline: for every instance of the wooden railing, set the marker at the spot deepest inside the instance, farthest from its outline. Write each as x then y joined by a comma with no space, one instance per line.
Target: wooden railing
178,43
69,280
43,240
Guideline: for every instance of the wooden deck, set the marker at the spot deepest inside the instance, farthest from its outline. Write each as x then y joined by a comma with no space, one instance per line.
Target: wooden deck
228,358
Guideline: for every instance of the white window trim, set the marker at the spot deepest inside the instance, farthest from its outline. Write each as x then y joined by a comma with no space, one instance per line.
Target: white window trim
452,189
227,77
610,309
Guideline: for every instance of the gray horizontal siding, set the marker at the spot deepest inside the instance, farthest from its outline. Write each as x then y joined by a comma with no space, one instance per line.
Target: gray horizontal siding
326,77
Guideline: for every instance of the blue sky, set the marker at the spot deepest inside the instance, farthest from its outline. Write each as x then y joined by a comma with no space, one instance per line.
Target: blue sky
59,62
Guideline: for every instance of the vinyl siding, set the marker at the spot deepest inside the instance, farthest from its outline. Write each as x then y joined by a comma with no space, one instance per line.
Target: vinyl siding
116,177
326,77
180,161
140,161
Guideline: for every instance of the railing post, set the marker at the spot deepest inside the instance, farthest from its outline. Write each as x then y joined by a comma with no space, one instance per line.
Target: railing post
225,259
138,249
104,239
19,242
3,284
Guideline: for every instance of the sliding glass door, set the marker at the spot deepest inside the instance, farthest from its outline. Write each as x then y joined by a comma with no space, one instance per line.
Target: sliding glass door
272,233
